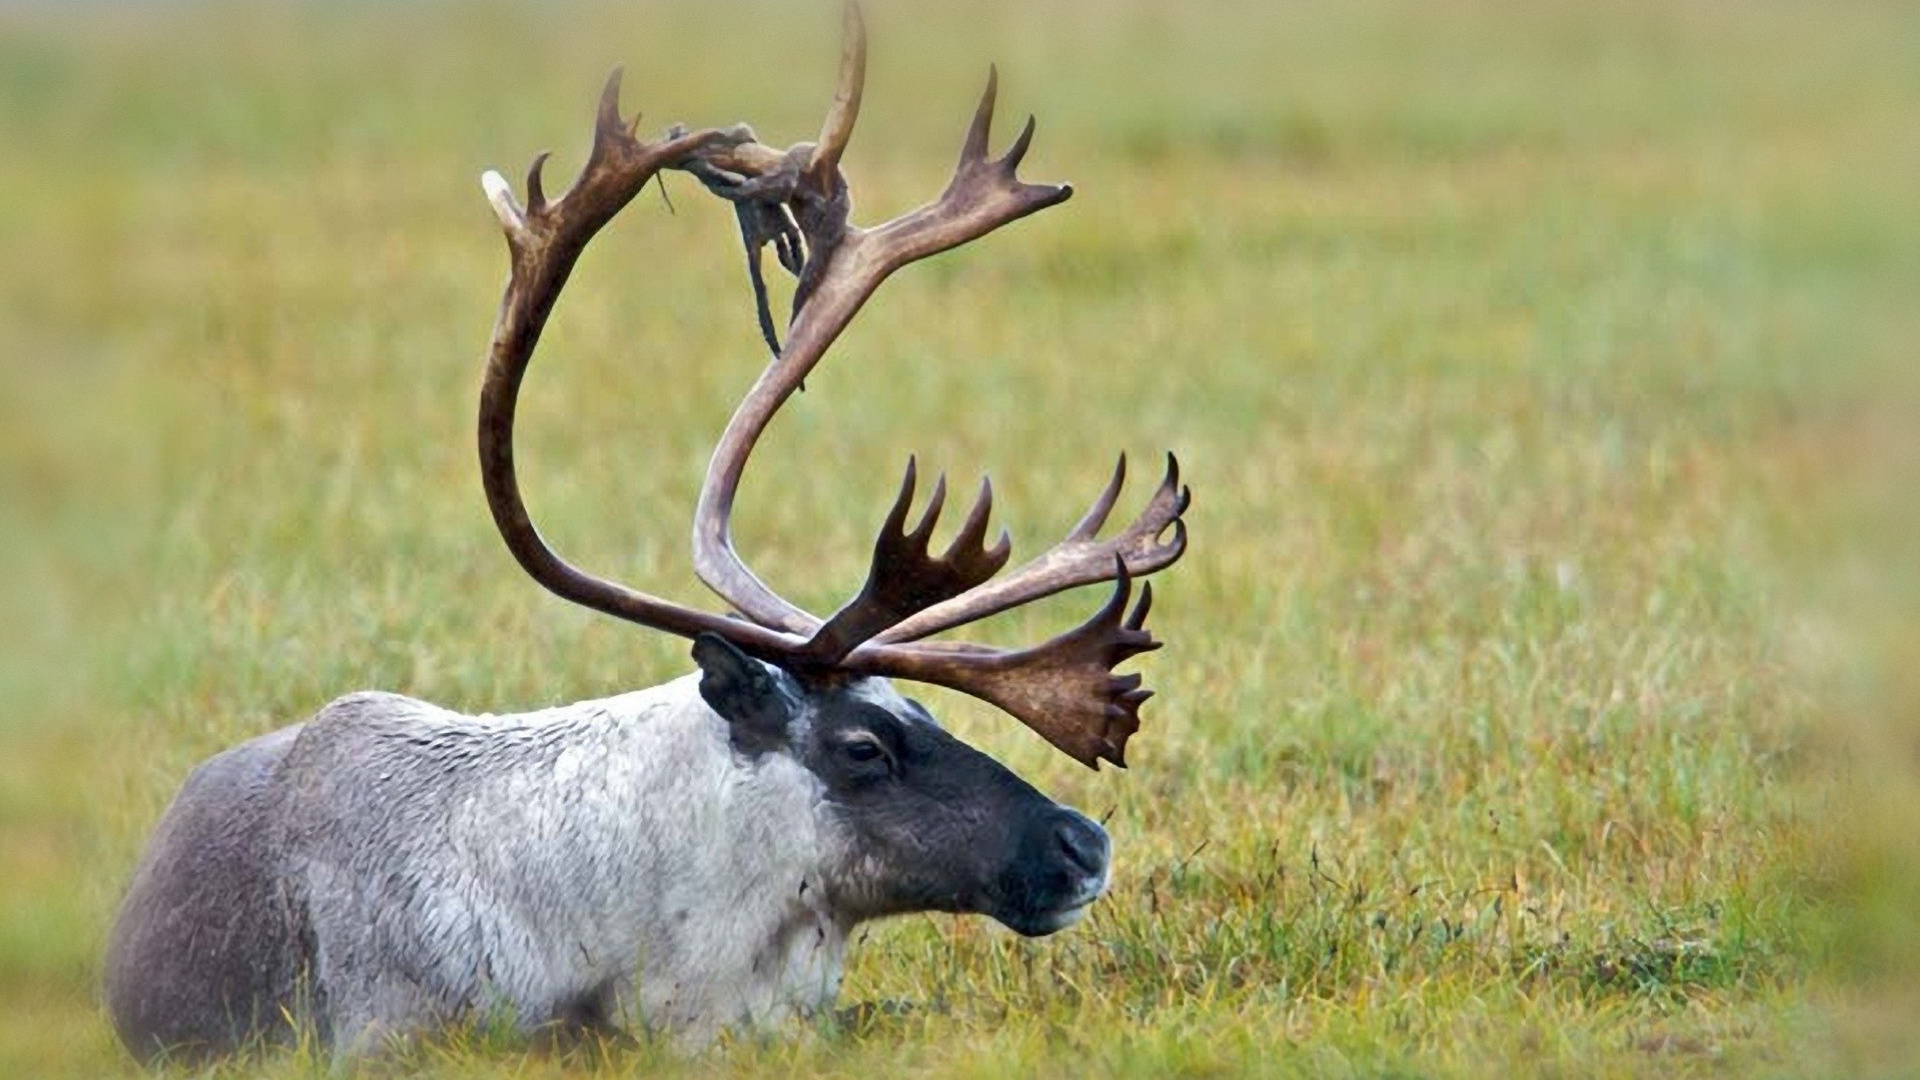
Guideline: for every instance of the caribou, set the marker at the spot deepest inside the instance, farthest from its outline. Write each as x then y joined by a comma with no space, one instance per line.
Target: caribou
692,857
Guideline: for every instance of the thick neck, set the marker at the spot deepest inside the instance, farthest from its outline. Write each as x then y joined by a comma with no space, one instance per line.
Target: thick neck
679,855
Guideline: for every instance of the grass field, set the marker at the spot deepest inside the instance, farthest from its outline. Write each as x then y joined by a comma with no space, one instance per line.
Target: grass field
1507,347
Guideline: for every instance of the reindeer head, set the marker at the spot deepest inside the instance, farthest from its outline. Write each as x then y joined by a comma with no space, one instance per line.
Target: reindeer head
913,819
780,663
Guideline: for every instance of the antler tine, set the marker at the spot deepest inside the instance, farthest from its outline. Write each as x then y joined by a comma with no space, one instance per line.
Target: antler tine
607,124
923,532
823,166
1096,515
974,529
536,190
1079,559
896,522
973,149
1138,620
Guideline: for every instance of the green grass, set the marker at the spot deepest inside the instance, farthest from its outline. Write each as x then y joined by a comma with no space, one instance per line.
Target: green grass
1504,345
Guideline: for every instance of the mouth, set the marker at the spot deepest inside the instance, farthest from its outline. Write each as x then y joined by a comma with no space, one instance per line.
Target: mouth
1059,918
1056,921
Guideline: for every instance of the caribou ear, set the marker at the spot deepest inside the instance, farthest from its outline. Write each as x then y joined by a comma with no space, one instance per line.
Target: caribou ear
744,693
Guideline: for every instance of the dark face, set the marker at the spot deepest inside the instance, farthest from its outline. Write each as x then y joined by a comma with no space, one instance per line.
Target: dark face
933,824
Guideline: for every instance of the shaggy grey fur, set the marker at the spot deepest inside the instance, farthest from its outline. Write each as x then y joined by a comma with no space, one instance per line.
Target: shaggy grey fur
389,866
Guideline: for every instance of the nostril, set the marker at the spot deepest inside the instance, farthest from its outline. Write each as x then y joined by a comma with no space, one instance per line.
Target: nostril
1084,844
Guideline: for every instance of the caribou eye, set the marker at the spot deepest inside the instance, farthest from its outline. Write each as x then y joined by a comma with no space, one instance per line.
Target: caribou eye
862,750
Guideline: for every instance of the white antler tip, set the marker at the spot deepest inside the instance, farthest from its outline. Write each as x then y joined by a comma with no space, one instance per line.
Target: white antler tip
500,194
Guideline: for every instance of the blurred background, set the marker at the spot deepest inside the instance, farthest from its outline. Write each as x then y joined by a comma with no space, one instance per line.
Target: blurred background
1540,682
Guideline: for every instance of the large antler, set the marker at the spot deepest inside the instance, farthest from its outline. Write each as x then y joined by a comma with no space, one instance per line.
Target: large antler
545,239
798,200
843,266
